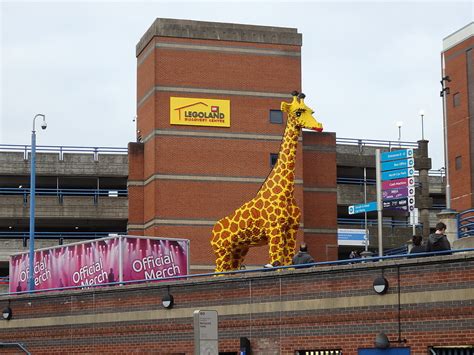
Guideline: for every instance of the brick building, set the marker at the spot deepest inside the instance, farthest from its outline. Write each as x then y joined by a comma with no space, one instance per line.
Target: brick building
458,59
427,309
184,177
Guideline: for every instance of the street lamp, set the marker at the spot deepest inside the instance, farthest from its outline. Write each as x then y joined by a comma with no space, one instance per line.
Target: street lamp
31,274
422,114
399,125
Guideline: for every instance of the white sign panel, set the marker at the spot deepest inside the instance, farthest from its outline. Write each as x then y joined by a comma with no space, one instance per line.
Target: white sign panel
351,237
206,341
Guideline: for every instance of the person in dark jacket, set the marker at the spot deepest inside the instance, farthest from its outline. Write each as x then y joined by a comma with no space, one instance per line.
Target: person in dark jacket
417,247
438,240
303,257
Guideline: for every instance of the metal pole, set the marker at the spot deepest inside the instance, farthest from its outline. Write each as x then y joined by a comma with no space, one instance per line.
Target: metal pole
444,92
379,199
31,274
365,213
422,131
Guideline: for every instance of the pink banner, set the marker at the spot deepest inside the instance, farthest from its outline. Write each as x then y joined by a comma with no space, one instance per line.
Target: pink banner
146,258
398,183
84,264
98,262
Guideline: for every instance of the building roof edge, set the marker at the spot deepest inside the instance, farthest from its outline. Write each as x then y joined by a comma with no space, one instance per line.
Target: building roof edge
219,31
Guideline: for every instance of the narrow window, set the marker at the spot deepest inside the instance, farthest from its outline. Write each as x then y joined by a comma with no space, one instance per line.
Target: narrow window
456,99
458,162
273,159
276,116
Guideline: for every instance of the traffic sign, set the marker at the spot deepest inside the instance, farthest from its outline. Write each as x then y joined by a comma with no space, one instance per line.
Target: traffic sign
397,174
397,183
406,204
398,164
351,237
396,155
364,207
391,194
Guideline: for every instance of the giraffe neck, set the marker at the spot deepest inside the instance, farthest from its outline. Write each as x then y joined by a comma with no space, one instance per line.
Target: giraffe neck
285,166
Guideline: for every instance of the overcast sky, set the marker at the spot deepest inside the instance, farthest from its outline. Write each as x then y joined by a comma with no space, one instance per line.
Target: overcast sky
366,65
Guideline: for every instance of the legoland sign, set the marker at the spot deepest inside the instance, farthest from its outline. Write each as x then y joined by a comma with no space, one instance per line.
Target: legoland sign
199,112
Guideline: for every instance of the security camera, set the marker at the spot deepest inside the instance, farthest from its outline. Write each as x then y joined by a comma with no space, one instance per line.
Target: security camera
44,125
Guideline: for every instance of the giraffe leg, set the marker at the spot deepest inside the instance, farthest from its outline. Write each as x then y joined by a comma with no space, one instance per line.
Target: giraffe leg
293,225
290,245
276,245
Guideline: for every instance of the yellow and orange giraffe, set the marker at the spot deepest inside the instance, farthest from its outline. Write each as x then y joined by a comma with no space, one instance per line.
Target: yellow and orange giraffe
272,216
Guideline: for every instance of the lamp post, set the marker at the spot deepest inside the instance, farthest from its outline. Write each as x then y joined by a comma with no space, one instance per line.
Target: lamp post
399,125
422,114
31,274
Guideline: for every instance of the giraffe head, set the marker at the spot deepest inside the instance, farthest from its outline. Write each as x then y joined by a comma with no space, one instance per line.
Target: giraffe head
301,114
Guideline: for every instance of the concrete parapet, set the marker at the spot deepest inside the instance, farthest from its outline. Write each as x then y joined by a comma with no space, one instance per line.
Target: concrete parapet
72,207
13,163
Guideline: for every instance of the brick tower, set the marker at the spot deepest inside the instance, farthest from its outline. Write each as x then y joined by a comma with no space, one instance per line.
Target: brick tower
458,56
208,126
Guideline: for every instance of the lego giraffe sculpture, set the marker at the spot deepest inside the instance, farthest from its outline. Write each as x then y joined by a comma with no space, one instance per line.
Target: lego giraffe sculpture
272,216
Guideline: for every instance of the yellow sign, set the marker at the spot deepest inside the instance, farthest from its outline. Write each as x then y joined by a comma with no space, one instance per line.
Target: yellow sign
199,112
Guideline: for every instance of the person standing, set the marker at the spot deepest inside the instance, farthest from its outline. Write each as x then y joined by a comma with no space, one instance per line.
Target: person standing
417,247
303,257
438,240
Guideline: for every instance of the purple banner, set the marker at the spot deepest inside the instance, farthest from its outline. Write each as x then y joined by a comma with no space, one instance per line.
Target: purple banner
398,193
84,264
397,183
146,258
98,262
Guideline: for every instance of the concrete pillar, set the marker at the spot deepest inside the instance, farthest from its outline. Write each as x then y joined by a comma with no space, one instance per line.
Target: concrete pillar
450,219
423,200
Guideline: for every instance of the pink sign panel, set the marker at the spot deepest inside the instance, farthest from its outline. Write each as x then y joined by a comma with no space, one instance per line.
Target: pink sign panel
86,264
147,258
397,183
101,261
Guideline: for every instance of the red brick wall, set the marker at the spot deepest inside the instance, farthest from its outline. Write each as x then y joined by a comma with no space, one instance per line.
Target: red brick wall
459,126
331,307
320,194
189,205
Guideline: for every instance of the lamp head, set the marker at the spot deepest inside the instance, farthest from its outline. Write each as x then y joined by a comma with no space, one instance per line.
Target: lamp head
422,112
399,124
7,313
44,124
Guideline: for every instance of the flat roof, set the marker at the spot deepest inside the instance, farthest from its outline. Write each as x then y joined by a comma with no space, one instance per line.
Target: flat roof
219,31
459,36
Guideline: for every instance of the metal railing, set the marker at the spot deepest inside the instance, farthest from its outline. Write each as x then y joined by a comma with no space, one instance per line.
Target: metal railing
465,221
249,271
373,222
58,235
397,251
25,149
376,143
61,193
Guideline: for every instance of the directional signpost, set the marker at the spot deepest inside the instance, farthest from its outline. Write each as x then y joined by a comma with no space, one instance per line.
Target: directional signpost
397,171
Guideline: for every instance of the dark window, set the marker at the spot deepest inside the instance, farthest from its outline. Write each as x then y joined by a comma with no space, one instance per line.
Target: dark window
318,352
456,99
452,350
276,116
458,162
273,159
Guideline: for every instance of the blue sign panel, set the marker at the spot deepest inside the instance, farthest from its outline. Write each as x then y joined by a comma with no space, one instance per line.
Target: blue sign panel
398,164
351,237
396,155
364,207
397,174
